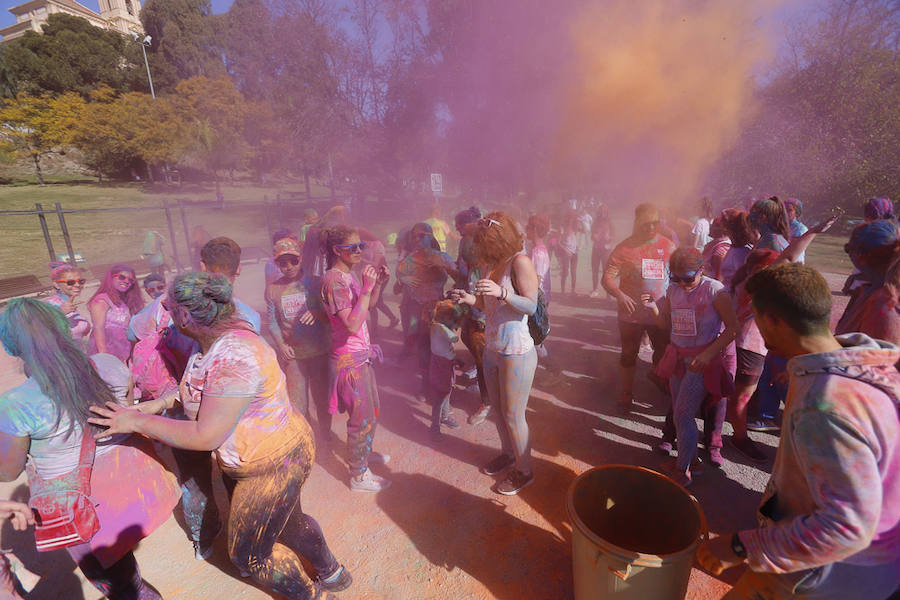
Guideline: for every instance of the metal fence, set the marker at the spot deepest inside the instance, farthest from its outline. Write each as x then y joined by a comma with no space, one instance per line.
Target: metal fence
278,212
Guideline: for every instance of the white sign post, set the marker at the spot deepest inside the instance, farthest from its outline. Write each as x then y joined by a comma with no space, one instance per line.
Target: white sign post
437,183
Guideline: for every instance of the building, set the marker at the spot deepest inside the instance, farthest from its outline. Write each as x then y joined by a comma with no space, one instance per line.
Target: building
118,15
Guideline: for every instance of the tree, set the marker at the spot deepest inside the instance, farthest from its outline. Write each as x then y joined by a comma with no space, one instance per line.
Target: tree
35,126
71,55
213,112
184,43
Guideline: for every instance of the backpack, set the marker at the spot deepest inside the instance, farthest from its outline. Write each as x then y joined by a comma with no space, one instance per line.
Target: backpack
539,322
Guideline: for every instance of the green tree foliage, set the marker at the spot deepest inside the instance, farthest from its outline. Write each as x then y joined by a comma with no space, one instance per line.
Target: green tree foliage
35,126
185,41
71,55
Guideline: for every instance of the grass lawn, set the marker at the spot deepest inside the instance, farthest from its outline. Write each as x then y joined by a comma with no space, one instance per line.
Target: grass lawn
111,236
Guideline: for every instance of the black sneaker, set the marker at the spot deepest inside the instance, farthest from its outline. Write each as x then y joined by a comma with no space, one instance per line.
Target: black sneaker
499,464
337,581
515,481
764,425
749,449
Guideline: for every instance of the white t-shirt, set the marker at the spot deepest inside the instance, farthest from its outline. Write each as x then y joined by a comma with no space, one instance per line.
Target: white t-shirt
700,232
26,412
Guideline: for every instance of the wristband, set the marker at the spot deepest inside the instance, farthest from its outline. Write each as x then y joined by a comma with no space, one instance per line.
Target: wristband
737,546
503,293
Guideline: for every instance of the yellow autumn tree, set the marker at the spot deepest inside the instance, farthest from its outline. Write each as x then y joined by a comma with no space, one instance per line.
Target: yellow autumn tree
35,126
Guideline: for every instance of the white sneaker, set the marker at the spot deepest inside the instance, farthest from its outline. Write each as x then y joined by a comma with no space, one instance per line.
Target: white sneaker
379,458
472,373
369,482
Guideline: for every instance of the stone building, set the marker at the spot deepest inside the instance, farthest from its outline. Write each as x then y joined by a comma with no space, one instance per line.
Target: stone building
119,15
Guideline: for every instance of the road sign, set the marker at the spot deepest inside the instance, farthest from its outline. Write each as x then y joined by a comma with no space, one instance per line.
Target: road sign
437,183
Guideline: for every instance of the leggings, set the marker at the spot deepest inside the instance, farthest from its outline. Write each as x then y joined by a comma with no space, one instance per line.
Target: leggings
120,581
688,394
568,263
509,378
201,515
268,531
307,378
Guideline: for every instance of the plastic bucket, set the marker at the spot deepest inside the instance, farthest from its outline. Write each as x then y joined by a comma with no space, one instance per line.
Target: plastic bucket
634,534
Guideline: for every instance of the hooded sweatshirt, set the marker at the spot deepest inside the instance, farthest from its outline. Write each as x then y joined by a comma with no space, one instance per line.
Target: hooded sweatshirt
834,493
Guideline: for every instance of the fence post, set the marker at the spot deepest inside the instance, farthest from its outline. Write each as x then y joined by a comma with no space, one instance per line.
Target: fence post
47,240
187,237
172,237
65,232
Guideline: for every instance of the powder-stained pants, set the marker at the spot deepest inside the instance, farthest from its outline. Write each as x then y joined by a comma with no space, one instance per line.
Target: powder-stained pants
201,515
509,378
268,531
358,396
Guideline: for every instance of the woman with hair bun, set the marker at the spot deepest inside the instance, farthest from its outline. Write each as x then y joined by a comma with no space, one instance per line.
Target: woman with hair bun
235,396
508,295
68,282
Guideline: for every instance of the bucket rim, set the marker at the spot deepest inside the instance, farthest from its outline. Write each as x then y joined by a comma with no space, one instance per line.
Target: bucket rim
631,556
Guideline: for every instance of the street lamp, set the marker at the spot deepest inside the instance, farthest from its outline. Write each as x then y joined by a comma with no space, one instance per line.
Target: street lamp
145,43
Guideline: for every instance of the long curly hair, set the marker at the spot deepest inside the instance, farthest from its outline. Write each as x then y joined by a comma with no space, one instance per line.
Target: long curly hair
38,333
497,238
132,298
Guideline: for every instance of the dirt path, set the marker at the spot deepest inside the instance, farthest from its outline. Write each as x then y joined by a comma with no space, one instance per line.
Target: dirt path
439,532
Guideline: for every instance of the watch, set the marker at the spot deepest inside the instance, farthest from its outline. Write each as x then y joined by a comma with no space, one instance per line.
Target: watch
737,546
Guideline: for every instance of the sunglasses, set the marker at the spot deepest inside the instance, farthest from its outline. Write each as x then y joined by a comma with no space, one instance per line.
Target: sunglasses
488,222
352,248
123,277
650,224
283,261
691,275
72,281
155,288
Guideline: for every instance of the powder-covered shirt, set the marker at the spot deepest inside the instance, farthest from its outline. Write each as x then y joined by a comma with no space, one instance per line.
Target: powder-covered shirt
240,364
424,274
442,339
115,326
748,335
769,240
694,319
341,291
506,329
874,311
642,268
834,493
286,302
26,412
734,260
79,327
714,255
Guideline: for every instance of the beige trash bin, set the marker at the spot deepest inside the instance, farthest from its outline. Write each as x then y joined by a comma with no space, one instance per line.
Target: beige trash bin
634,534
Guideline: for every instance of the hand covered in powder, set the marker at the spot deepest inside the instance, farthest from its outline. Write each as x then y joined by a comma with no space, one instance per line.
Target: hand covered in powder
369,279
116,419
716,555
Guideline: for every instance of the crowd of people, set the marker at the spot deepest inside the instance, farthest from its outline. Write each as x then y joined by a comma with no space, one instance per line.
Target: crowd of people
738,326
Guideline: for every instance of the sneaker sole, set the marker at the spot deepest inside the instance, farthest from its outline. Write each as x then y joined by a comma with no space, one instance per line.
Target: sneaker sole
516,491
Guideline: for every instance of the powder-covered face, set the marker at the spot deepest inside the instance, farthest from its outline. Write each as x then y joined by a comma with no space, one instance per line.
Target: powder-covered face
123,281
350,251
155,289
70,283
289,265
687,279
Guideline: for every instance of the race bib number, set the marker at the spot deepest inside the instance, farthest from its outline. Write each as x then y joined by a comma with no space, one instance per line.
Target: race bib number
684,322
653,268
293,305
